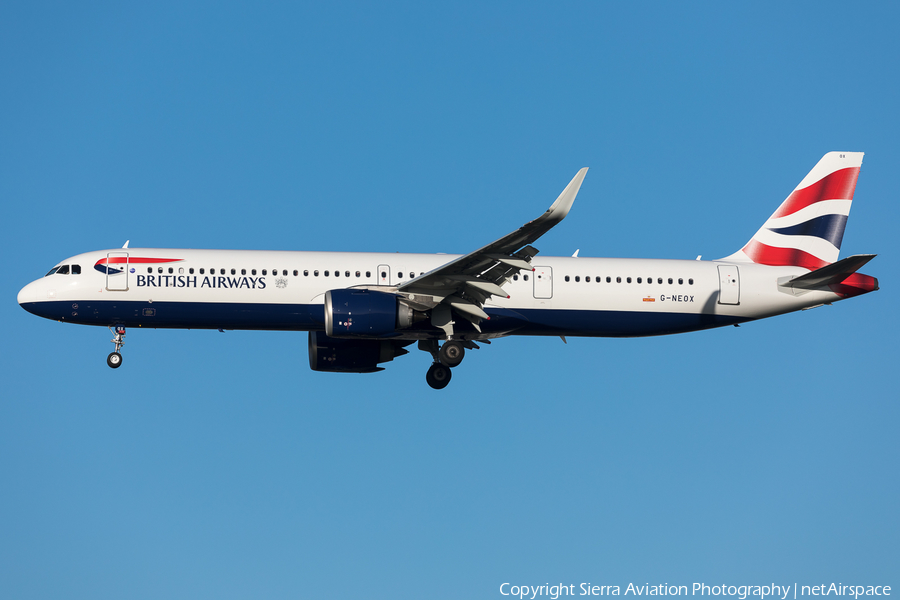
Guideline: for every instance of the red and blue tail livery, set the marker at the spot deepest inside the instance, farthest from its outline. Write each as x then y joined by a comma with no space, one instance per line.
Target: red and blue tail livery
364,309
807,229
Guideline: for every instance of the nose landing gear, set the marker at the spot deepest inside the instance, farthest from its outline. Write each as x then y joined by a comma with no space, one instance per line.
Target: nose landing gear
114,360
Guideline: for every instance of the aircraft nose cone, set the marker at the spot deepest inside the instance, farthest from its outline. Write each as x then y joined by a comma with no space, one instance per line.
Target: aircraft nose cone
24,295
28,296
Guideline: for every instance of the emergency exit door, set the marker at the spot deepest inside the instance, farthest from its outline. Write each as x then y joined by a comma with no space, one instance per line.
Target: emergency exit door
543,282
383,276
729,285
117,271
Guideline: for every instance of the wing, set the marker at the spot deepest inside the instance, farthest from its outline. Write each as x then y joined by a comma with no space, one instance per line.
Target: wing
463,285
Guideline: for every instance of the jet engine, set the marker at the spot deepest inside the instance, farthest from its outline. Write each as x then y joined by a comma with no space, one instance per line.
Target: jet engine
359,313
351,356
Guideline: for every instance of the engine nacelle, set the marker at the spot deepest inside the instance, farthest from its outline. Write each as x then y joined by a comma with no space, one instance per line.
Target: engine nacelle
358,313
350,356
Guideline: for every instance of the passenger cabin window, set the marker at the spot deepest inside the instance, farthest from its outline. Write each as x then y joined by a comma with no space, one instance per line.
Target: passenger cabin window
253,271
326,273
628,280
150,270
690,282
296,272
264,271
347,274
639,280
243,271
336,273
525,277
670,281
357,274
201,270
368,273
680,281
306,272
659,280
191,270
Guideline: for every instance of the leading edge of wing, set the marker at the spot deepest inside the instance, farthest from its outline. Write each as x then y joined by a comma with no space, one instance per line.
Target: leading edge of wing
476,263
531,231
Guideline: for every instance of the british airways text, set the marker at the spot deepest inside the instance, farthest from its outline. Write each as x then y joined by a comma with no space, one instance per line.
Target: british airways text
182,281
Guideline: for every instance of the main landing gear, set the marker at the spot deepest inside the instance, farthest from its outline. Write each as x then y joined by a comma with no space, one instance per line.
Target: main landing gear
451,354
438,376
114,360
447,356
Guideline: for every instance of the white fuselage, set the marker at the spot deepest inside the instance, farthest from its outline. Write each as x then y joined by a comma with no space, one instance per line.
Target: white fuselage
234,289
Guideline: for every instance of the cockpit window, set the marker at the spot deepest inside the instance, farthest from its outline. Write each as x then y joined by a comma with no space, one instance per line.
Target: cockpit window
51,271
63,270
76,269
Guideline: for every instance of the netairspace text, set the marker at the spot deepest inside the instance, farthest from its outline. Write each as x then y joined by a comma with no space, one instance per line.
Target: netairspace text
741,592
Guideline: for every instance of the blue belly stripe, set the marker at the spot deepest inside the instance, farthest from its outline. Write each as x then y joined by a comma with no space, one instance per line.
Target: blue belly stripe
306,317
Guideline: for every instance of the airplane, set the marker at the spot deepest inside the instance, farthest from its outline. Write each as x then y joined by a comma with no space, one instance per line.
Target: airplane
364,309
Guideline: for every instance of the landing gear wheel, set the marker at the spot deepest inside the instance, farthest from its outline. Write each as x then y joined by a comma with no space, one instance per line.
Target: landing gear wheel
114,360
452,353
438,376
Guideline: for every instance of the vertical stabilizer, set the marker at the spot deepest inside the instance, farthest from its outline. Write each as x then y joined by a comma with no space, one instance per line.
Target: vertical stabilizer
807,229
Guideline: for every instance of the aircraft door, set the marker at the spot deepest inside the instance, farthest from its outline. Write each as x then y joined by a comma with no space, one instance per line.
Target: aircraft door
543,282
117,271
729,285
383,275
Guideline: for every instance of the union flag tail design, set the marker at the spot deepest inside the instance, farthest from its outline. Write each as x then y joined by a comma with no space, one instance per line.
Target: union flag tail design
807,229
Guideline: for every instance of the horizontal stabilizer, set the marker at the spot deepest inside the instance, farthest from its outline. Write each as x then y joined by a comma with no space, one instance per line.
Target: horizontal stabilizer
832,274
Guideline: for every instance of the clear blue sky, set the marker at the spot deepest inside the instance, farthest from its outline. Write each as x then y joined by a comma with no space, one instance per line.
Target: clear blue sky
218,465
